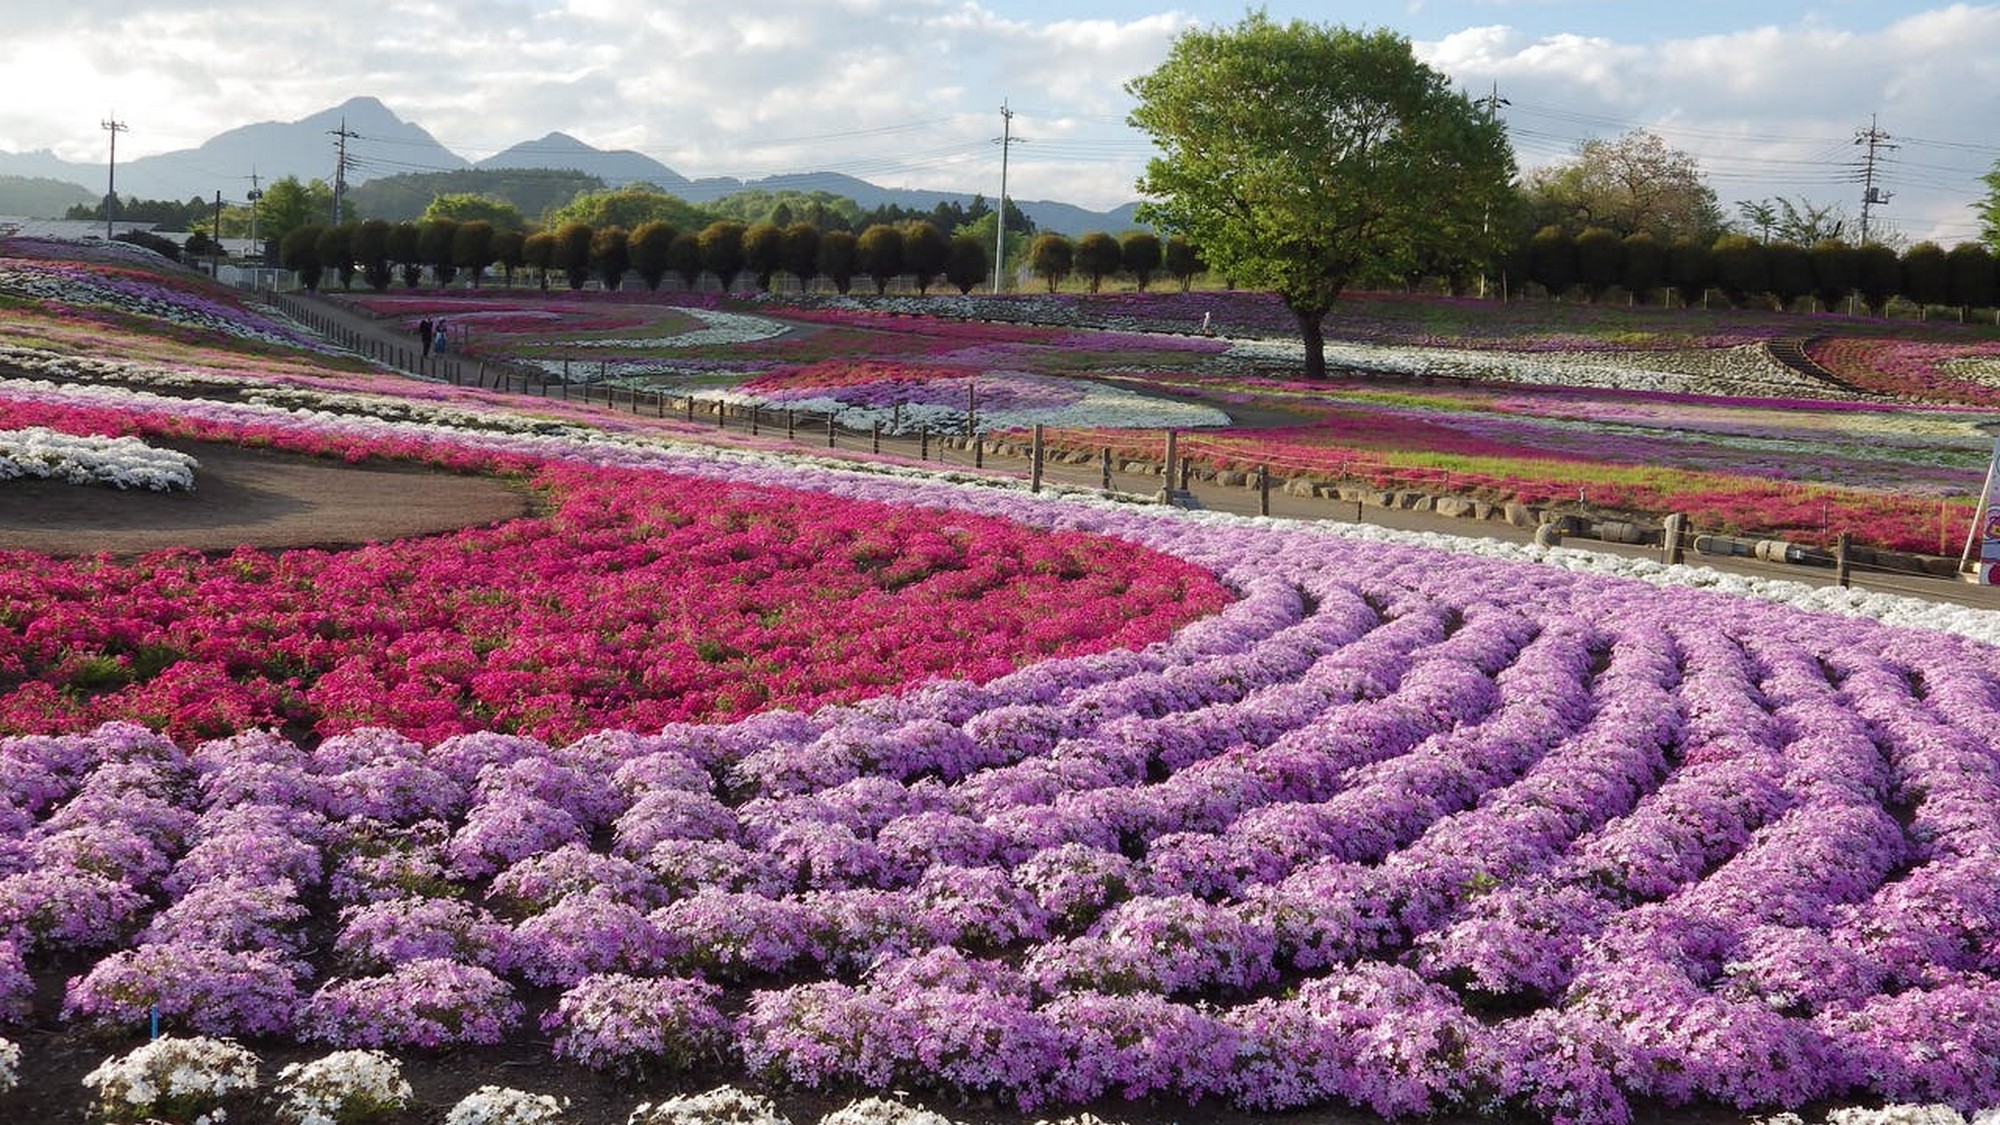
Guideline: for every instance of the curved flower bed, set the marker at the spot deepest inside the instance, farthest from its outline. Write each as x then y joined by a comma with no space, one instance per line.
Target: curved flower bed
1400,828
123,291
904,397
641,598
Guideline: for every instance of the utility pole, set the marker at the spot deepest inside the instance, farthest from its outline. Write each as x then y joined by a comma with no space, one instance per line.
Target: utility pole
1006,141
1877,141
1492,101
256,193
115,127
219,255
342,136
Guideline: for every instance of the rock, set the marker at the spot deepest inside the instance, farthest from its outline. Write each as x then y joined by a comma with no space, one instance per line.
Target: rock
1231,478
1457,507
1299,486
1520,515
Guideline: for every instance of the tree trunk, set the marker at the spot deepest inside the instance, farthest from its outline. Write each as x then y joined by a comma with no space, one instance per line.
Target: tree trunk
1312,331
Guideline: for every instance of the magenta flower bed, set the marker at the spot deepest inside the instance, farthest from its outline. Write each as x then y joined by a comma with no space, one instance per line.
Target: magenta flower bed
1397,829
639,599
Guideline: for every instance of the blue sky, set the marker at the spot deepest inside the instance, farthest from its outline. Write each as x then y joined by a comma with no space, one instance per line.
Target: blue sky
1768,97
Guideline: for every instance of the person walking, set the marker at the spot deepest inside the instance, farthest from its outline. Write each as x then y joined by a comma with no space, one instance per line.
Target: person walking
425,331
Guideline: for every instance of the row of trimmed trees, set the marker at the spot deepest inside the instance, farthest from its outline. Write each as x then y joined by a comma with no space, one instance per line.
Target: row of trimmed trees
376,252
1140,255
1750,273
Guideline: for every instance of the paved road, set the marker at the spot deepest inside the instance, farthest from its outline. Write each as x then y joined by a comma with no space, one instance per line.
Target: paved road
387,344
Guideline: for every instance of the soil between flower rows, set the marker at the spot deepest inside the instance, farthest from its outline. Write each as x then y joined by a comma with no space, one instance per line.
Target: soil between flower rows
254,498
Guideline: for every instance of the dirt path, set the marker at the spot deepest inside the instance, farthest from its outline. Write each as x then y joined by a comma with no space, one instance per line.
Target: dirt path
255,498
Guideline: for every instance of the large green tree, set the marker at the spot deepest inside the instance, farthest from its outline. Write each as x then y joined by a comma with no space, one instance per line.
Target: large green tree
1634,183
289,204
1300,157
468,207
627,207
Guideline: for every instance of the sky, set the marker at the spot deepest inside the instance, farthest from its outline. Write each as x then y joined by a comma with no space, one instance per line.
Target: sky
1771,98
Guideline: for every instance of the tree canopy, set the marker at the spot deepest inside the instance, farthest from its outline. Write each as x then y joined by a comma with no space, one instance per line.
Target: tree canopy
1632,184
631,206
1301,157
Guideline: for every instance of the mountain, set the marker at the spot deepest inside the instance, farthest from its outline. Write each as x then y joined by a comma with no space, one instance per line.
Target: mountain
564,152
41,197
382,144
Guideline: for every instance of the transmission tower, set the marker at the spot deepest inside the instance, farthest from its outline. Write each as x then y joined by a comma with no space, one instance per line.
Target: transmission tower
114,127
1877,142
341,136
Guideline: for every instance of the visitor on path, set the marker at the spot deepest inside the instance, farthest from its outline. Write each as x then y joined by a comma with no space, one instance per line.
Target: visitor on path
442,336
1207,324
425,330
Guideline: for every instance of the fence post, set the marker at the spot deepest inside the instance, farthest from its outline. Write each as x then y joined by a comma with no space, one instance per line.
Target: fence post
753,419
791,425
1035,462
923,443
829,429
1104,467
690,410
1187,467
1167,466
1263,490
721,414
1840,560
978,452
1672,537
875,437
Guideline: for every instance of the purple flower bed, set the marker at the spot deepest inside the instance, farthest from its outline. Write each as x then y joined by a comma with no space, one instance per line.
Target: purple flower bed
1398,829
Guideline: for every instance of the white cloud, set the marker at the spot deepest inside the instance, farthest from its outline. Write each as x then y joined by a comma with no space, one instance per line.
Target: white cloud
907,93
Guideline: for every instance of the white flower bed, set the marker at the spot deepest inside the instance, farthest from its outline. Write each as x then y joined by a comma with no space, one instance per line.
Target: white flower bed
724,1105
122,462
1745,370
722,328
1983,369
10,1065
183,1080
1097,406
882,1111
504,1105
343,1086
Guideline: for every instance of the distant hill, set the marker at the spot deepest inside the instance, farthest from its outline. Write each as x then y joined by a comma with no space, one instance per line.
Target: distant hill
385,147
38,197
615,169
531,190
